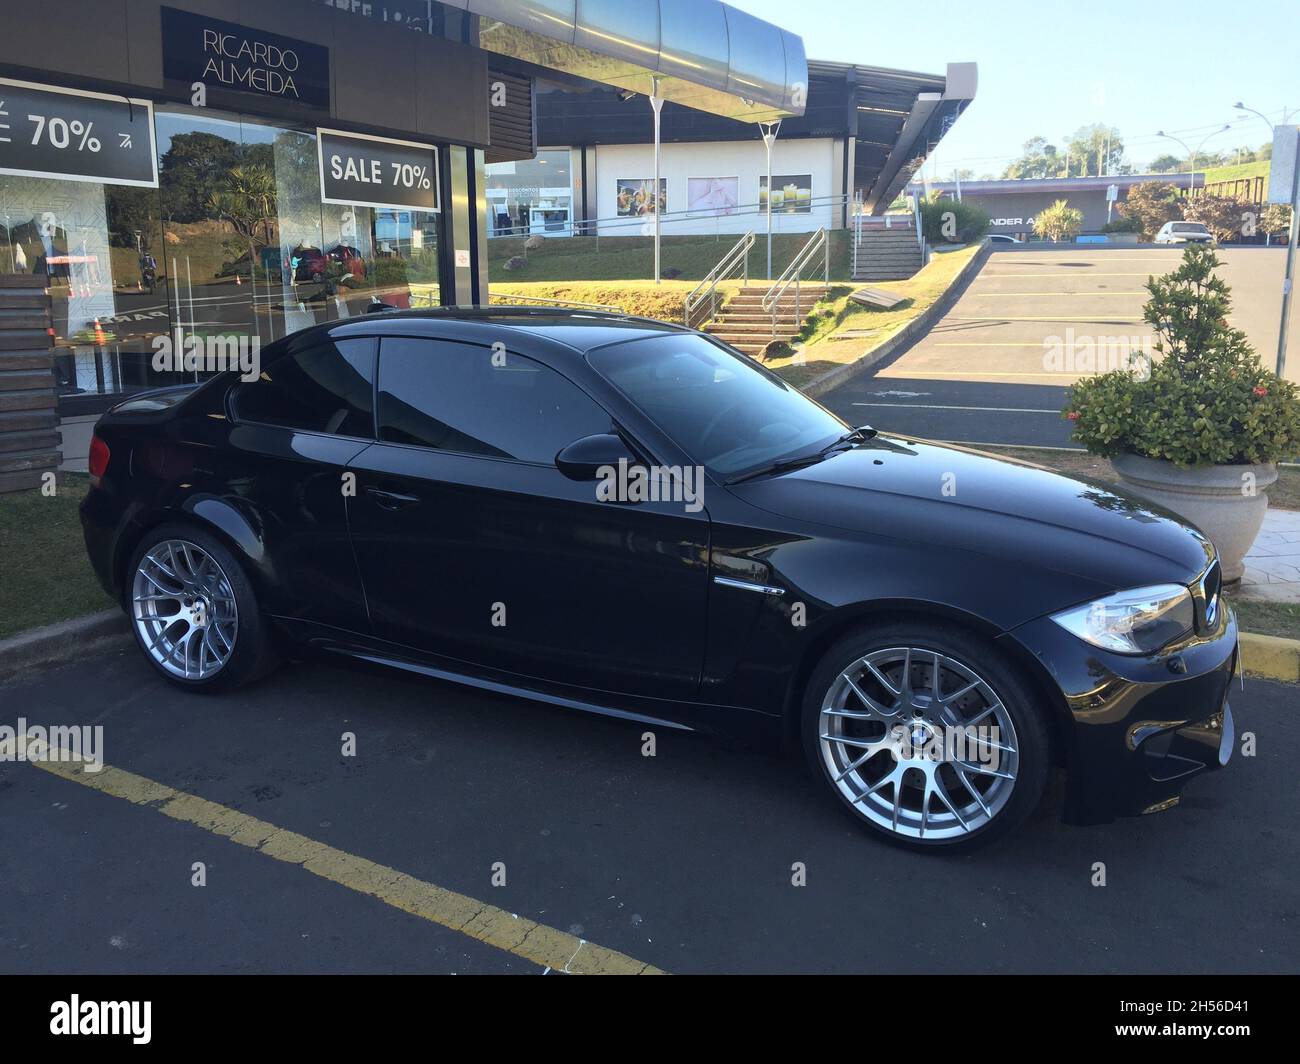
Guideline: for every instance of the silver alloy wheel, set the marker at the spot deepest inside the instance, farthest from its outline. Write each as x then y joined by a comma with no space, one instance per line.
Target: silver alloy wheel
877,727
184,609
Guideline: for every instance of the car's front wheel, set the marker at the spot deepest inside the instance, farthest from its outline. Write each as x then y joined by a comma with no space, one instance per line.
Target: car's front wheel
926,735
194,612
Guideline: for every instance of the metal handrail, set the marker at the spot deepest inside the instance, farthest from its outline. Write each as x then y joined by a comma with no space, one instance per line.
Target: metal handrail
512,297
708,288
793,275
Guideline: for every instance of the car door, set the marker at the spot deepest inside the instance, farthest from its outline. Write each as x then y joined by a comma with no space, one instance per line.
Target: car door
291,433
474,546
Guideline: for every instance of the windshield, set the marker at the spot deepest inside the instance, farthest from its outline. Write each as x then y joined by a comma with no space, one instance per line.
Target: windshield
726,413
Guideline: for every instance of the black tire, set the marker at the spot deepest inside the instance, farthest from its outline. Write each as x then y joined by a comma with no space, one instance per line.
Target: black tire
984,659
254,653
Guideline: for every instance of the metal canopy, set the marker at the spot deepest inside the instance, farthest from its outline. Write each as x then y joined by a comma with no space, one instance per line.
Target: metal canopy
707,55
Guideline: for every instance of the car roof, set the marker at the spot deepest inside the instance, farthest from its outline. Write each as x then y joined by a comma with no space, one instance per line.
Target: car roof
580,330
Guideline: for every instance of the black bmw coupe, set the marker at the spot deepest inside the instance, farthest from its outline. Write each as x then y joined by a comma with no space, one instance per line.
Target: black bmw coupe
626,517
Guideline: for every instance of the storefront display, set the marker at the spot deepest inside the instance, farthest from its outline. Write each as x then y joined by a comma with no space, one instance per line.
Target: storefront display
237,238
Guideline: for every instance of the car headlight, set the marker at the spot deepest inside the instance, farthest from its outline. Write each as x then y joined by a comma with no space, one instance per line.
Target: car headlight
1140,621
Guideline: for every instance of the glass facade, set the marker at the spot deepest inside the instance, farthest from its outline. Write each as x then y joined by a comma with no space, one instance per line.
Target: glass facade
531,197
235,242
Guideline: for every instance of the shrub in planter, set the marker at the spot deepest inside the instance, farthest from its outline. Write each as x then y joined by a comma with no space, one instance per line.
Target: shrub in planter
946,221
1201,427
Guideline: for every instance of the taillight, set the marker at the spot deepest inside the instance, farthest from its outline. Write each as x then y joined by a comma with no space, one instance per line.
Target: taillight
98,459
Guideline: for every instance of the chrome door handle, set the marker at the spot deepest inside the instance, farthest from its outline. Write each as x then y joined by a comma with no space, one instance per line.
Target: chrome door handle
392,500
745,585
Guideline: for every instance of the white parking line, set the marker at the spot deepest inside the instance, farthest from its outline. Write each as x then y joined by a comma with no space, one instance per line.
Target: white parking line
949,406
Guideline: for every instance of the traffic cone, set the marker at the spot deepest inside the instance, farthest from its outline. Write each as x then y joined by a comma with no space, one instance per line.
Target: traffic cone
100,338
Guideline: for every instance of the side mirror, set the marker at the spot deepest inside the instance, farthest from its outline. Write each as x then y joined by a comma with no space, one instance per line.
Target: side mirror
582,459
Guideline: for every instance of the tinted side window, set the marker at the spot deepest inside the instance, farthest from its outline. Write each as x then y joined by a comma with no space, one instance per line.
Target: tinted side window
325,389
450,396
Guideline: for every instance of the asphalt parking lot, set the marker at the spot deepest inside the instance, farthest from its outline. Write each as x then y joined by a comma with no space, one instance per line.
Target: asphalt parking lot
682,861
979,376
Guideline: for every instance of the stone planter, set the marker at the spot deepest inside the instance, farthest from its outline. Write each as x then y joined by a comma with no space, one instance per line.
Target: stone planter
1226,502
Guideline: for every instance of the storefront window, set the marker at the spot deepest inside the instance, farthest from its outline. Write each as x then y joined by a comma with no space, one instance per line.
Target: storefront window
531,197
234,243
252,248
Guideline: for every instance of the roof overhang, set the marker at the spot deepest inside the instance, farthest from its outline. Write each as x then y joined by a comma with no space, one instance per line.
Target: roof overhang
706,54
930,115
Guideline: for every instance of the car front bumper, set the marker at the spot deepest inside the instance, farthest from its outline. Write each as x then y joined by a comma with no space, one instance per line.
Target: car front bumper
1136,729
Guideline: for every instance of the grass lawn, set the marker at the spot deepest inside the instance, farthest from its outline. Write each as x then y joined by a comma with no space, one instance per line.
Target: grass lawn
1236,172
621,258
822,351
665,301
1267,618
46,576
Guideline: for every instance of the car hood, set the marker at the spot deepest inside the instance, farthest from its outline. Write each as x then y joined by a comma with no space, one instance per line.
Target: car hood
952,497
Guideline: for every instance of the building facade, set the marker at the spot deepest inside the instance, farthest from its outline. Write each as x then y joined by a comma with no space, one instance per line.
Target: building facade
230,170
863,133
1013,205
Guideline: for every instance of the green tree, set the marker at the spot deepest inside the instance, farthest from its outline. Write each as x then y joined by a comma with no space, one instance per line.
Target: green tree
1207,400
1038,159
1221,215
1167,164
1095,149
1060,221
1151,204
191,170
1275,218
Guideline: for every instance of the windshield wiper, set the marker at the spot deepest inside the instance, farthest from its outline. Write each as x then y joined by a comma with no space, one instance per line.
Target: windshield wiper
862,432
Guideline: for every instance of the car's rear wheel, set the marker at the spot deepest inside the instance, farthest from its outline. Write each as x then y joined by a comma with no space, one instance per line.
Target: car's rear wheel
926,735
194,612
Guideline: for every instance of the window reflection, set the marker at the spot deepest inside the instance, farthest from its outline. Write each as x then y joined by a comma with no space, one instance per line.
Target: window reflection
234,243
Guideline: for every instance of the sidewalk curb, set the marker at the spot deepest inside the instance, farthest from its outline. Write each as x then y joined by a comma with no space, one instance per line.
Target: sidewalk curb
51,644
1271,656
904,337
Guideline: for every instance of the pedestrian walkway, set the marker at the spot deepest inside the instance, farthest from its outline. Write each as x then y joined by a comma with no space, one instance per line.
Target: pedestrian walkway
1273,563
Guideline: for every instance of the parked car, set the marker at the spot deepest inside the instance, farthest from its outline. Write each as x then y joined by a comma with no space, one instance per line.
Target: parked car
1002,238
439,491
1184,233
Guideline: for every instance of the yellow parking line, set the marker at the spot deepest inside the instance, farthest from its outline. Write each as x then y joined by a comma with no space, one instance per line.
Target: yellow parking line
525,938
1040,344
990,295
1053,317
1076,273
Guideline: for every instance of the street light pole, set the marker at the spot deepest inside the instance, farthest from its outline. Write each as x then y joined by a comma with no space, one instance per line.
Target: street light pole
1191,155
769,131
657,103
1288,277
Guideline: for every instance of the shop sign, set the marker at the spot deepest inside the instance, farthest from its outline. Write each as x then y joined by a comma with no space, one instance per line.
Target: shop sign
228,58
76,136
377,172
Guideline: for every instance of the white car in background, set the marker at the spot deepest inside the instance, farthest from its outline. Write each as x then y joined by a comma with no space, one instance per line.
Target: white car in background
1184,233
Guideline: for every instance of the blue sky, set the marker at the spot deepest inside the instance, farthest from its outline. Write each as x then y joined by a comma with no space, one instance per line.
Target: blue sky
1052,66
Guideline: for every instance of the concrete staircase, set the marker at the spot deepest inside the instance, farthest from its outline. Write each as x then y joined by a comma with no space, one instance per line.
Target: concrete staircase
887,254
746,326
